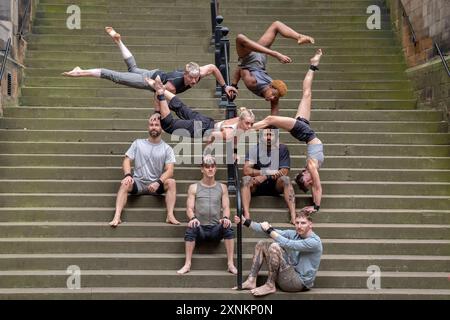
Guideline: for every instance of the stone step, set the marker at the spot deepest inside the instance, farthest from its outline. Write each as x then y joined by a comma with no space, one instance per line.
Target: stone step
217,294
326,174
209,83
174,49
365,162
158,214
163,230
62,185
240,3
210,279
148,59
101,39
138,124
299,66
143,112
20,147
210,262
171,245
29,200
122,92
171,31
285,137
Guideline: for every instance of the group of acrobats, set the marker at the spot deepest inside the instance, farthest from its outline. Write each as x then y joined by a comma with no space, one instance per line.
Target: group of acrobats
293,259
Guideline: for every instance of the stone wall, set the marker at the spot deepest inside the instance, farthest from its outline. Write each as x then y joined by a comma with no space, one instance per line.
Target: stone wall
430,20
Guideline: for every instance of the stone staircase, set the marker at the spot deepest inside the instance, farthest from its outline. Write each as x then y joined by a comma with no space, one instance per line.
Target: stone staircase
386,177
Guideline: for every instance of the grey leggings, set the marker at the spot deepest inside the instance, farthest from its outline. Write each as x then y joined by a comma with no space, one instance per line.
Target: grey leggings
134,78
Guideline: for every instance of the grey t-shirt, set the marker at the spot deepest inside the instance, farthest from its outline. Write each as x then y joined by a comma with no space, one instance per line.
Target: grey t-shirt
150,159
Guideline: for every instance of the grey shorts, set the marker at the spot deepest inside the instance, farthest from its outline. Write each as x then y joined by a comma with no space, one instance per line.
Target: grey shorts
289,280
141,187
253,61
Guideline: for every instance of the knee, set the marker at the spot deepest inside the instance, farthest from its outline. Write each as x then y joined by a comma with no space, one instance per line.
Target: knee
269,119
286,181
171,184
246,181
276,24
261,244
240,38
274,248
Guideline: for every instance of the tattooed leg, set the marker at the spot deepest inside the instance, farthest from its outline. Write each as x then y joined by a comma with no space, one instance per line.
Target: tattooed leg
261,253
276,264
289,195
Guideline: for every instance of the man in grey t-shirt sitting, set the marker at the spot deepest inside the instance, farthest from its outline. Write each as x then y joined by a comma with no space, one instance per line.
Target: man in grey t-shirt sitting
207,202
292,256
153,171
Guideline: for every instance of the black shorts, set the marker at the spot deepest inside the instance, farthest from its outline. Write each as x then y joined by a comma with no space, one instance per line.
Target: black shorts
267,188
302,131
142,188
212,233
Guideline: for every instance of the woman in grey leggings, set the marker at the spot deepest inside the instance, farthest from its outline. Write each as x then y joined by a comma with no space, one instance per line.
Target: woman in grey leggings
176,81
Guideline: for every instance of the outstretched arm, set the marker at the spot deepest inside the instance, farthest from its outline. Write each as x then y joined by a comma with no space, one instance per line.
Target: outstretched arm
212,69
236,77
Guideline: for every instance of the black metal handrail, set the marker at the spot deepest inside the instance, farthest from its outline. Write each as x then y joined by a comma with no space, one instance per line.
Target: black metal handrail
239,225
442,58
411,29
5,58
20,34
222,59
214,13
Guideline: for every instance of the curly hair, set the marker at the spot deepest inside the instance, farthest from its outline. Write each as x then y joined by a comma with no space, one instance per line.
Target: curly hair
280,86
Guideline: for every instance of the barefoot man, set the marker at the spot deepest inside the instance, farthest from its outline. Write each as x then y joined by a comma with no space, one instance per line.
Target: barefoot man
208,212
176,81
153,171
293,257
253,58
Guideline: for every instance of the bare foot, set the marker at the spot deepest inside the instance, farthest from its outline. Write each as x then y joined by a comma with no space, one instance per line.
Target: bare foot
305,39
315,60
283,59
264,290
249,284
116,36
172,220
76,72
232,269
186,268
115,222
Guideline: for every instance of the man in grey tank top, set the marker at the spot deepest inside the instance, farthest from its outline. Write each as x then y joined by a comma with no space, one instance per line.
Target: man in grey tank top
253,59
208,212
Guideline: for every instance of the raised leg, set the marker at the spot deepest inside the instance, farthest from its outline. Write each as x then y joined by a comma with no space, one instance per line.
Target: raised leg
284,123
304,107
278,27
78,72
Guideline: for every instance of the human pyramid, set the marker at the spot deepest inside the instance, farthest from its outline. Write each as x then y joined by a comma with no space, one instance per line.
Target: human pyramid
292,256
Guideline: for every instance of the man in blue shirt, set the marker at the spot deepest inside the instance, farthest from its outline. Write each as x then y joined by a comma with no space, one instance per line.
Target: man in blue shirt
293,257
266,172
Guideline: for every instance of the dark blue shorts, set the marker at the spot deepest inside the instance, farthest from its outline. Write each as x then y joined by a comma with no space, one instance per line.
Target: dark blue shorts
267,188
302,131
210,233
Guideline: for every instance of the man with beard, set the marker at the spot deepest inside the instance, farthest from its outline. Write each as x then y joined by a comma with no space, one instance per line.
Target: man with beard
153,171
266,172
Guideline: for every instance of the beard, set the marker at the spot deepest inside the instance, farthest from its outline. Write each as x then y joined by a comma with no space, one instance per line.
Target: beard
154,133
